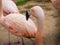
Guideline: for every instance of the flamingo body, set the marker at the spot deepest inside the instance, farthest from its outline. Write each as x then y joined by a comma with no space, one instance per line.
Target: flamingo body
17,24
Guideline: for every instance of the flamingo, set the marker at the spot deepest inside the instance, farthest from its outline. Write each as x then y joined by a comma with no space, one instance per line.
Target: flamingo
9,7
17,24
38,13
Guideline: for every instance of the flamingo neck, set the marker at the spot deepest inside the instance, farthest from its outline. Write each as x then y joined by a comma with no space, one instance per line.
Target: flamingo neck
40,33
40,22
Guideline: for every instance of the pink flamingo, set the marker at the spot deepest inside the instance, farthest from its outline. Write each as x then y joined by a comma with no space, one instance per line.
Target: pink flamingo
38,13
17,24
10,7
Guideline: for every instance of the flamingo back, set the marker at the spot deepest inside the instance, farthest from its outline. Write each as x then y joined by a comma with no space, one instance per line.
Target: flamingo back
17,24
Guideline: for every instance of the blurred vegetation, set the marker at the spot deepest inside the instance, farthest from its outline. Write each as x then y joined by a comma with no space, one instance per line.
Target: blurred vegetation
21,2
46,7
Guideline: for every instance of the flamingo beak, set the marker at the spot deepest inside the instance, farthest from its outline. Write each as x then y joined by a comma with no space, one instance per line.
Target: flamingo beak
27,15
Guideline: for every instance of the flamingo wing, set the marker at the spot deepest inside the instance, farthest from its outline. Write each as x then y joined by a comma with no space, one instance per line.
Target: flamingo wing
18,25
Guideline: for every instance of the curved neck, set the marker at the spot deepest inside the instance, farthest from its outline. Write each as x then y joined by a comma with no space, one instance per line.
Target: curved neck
1,10
40,24
39,36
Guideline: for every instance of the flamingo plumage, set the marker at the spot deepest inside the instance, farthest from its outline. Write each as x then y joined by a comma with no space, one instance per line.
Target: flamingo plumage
20,27
9,7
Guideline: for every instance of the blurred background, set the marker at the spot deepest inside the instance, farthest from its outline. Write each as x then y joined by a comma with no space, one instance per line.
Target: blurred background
52,25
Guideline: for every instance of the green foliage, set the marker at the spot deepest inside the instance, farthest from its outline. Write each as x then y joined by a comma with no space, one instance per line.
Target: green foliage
21,2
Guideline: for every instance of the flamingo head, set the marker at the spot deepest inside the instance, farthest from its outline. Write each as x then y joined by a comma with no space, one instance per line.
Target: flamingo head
35,11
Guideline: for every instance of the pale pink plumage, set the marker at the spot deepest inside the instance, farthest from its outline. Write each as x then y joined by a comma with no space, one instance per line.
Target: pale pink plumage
9,7
17,24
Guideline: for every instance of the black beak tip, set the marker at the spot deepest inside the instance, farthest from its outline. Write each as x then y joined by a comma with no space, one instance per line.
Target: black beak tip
27,15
